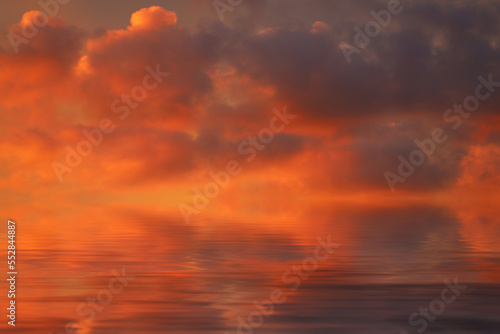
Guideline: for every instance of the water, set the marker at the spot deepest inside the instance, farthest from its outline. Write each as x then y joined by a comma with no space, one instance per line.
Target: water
391,261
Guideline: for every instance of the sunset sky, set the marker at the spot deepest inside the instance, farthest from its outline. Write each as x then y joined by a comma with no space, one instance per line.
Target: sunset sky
353,120
211,85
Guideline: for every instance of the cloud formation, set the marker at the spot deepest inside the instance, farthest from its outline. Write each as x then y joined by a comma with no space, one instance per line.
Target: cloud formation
225,79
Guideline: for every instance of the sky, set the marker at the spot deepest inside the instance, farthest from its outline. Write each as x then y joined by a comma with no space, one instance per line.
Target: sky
148,125
225,78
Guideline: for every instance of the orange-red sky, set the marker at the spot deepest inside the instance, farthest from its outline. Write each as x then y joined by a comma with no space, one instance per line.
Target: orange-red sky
353,120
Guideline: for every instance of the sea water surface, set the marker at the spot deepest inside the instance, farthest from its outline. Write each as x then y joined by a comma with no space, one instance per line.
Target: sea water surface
208,276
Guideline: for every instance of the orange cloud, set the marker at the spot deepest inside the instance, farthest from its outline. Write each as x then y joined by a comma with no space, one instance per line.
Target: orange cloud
152,18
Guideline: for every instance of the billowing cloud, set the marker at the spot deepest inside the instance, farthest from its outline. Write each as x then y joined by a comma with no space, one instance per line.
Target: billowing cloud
220,84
